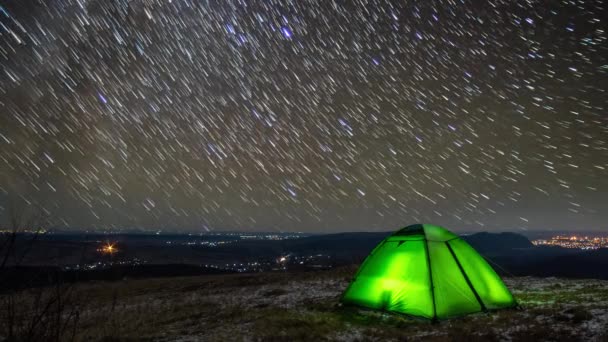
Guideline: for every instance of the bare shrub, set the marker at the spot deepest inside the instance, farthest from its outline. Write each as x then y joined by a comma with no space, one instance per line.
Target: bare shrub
38,313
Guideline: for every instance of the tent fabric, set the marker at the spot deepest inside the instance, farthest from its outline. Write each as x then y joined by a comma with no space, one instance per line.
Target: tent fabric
427,271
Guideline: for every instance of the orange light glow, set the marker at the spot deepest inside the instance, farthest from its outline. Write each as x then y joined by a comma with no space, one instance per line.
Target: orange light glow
108,249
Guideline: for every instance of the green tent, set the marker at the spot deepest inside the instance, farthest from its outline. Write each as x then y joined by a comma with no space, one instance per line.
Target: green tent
427,271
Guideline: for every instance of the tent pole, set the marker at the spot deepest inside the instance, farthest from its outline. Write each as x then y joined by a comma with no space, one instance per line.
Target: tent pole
483,307
428,262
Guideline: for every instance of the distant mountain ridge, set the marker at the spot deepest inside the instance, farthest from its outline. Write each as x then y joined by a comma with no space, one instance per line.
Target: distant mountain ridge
498,243
357,243
509,253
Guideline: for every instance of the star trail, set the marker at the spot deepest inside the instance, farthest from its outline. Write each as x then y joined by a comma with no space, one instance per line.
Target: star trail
309,115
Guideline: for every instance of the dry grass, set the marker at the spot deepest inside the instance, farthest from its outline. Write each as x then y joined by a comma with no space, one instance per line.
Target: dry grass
304,307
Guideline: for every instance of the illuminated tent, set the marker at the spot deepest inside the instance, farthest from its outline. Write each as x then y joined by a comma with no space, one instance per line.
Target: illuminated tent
427,271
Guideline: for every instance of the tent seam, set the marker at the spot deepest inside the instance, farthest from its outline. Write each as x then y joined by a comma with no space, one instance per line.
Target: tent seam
466,278
428,261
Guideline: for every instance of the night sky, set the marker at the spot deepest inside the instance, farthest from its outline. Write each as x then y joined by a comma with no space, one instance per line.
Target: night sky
321,115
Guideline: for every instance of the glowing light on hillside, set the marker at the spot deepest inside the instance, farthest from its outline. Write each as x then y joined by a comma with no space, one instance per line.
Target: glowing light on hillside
108,248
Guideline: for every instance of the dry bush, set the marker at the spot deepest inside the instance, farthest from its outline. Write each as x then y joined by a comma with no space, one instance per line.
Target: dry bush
35,313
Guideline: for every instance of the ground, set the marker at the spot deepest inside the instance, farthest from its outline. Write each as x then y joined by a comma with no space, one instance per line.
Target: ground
304,306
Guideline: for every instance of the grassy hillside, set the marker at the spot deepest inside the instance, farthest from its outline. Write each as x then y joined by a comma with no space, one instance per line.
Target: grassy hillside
304,306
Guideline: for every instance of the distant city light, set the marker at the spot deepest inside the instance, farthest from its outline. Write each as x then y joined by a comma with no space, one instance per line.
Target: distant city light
108,248
574,241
